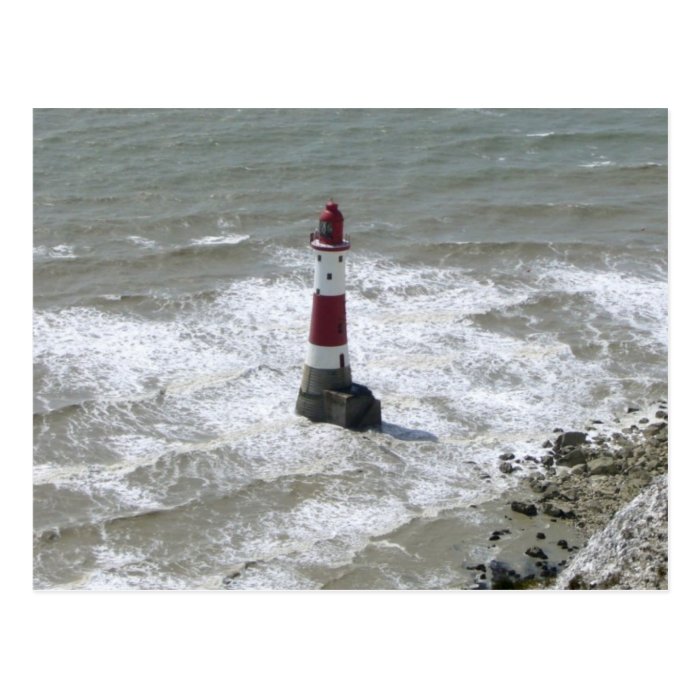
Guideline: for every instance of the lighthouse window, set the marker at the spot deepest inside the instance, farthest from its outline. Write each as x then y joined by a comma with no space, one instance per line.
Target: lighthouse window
340,258
325,228
329,276
318,291
319,258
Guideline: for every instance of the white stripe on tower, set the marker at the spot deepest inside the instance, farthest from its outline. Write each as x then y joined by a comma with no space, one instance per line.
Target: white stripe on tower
321,357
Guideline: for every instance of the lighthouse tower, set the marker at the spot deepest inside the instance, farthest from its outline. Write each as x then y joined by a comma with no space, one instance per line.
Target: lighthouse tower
327,391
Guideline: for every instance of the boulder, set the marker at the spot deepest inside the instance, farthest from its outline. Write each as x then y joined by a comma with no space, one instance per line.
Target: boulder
528,509
556,512
536,553
538,484
604,466
505,467
573,457
478,567
656,429
572,438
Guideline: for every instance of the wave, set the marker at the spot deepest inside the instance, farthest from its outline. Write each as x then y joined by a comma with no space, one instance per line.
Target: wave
61,251
511,259
432,176
149,265
61,411
230,239
598,136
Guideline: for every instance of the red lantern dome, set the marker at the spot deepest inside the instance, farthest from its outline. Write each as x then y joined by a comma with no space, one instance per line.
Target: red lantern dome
330,224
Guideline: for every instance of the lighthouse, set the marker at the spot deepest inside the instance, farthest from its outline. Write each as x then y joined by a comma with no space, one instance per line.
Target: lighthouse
327,392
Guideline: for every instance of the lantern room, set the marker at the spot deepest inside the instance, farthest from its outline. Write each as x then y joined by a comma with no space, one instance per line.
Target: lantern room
330,227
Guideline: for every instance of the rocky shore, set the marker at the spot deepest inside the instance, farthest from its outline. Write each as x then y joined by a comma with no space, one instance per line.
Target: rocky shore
593,513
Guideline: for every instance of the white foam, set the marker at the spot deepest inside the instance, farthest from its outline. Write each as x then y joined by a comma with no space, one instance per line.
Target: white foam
228,239
142,242
597,164
641,304
59,252
230,371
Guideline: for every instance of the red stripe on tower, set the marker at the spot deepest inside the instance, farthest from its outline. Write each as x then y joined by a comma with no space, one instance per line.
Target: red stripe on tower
328,321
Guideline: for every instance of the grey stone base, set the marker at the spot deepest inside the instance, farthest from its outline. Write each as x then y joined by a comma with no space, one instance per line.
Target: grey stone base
354,407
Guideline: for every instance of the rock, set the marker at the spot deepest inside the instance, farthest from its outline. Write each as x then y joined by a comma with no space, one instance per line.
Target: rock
548,461
536,552
537,483
643,420
50,535
632,409
494,537
528,509
661,414
503,576
572,438
603,466
478,567
563,544
540,535
573,457
505,467
556,512
498,568
579,469
546,444
506,456
228,581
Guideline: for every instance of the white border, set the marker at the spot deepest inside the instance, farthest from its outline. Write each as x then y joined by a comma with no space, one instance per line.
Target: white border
382,645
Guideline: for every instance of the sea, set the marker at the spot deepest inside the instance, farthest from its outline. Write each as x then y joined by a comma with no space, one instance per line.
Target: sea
507,277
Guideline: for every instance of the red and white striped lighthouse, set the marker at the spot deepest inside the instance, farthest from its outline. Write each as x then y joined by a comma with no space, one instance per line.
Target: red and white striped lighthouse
327,391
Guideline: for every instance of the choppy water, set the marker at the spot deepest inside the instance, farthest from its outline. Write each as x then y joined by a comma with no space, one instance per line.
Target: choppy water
508,275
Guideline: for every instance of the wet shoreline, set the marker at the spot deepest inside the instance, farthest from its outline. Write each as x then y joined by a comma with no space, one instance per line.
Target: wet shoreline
575,521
